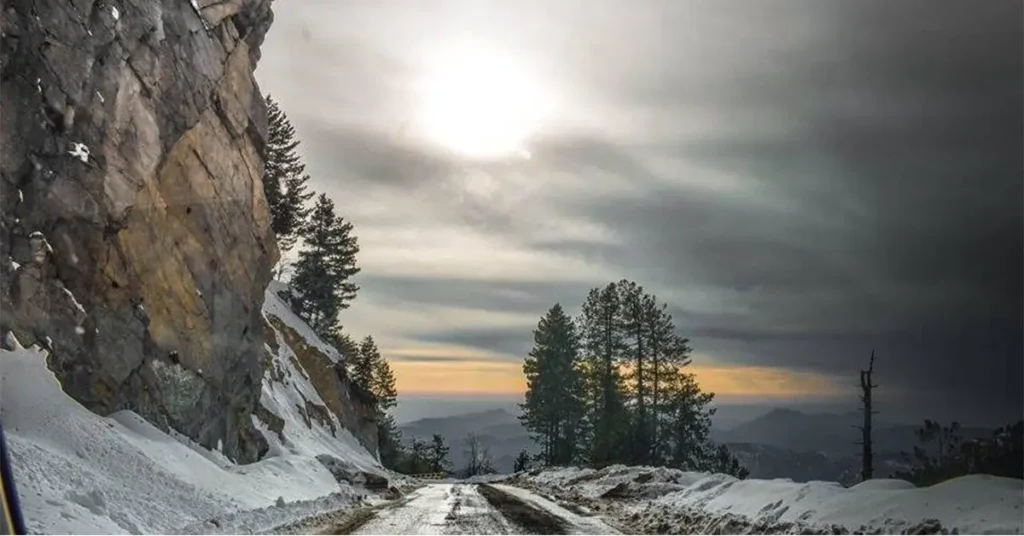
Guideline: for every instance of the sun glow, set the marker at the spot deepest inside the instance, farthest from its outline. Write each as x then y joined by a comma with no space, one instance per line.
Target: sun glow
481,103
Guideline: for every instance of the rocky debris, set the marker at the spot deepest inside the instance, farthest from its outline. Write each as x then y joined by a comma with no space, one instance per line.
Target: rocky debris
131,206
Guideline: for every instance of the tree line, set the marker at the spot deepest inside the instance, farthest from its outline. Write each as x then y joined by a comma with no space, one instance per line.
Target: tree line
943,453
320,285
611,386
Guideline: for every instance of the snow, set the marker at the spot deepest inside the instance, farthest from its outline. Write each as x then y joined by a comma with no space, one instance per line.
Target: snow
195,7
274,305
284,398
78,472
79,330
100,96
80,151
21,196
577,524
115,12
74,301
974,504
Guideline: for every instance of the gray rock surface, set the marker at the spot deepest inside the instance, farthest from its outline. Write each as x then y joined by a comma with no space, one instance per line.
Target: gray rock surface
134,237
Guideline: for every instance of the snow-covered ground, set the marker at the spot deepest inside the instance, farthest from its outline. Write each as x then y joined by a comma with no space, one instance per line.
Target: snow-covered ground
660,500
78,472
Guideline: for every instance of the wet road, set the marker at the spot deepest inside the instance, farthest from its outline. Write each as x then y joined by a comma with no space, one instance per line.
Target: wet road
440,509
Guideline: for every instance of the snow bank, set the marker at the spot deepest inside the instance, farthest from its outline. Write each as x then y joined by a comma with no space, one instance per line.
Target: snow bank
577,524
687,501
78,472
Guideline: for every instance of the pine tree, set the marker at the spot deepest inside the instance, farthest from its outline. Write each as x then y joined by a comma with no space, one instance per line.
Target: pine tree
689,424
389,441
552,410
665,348
438,455
419,454
314,297
635,327
343,343
383,384
284,180
601,349
720,460
321,284
361,369
522,462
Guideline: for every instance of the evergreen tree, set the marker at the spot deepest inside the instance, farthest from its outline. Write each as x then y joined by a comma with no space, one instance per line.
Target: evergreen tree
321,286
438,455
720,460
689,423
552,410
522,462
389,441
383,385
601,351
343,343
635,326
419,457
362,368
284,180
666,351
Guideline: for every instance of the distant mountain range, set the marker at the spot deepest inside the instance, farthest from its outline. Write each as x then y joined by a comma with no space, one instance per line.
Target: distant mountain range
781,443
833,434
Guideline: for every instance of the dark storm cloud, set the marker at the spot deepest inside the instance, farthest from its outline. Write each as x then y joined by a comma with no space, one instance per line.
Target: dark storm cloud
905,184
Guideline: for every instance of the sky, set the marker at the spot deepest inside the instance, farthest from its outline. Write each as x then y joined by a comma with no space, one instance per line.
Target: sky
802,182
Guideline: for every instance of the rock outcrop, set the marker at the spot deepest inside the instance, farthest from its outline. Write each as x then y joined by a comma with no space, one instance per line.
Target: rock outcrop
134,236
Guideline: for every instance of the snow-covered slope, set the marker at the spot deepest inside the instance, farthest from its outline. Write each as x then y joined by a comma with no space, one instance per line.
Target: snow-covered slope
310,427
668,501
78,472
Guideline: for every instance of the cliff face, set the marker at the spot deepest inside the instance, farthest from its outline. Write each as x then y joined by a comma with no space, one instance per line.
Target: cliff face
134,237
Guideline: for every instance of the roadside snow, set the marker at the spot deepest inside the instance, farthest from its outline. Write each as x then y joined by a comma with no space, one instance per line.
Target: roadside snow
577,524
686,501
78,472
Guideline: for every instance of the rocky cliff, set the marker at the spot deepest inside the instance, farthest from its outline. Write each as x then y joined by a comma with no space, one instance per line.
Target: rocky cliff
134,236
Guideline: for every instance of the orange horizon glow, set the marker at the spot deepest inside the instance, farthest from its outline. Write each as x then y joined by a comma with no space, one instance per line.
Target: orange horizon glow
498,377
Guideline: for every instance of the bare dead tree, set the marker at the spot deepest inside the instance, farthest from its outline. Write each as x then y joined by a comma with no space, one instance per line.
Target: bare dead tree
866,386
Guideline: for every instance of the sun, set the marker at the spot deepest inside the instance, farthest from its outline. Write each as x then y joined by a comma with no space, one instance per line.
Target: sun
481,103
